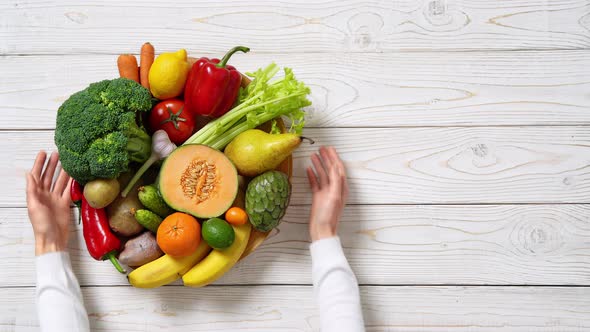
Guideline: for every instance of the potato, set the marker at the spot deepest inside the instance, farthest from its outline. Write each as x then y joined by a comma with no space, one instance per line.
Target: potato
140,250
124,179
120,212
101,192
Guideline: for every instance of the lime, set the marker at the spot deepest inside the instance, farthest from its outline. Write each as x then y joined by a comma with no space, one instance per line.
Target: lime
218,233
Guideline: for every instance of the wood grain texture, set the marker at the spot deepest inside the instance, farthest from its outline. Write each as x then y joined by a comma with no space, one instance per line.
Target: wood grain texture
41,27
430,102
385,245
274,308
351,90
409,165
456,165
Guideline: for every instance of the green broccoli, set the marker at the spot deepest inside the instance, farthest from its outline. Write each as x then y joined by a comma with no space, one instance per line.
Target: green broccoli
97,134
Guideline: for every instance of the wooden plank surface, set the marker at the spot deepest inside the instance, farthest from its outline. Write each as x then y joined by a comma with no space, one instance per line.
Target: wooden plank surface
351,90
409,165
291,308
460,102
385,245
64,27
456,165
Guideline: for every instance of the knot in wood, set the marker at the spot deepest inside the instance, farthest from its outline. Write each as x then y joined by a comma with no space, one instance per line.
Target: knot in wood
538,237
364,29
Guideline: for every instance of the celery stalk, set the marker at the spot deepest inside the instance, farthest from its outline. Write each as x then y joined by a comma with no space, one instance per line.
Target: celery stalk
258,103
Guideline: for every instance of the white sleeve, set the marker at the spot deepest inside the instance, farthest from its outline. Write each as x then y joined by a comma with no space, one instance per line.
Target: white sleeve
336,288
59,300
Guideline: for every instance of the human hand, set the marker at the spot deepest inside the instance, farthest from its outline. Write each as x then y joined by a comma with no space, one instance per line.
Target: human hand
330,191
49,208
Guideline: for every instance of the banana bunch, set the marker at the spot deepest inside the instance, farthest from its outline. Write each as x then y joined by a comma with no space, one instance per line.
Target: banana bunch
201,268
218,262
166,269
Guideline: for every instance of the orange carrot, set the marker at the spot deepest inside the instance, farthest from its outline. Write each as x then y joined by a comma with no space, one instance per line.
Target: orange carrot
146,58
127,64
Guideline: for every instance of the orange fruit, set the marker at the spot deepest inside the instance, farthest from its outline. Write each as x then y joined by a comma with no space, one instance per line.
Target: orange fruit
179,234
236,216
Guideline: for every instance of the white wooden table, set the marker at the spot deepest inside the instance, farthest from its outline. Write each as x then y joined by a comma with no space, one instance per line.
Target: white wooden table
465,126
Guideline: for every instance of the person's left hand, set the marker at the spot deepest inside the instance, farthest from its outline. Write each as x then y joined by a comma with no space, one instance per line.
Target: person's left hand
49,207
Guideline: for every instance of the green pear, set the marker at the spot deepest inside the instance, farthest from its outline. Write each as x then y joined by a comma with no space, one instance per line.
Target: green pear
254,151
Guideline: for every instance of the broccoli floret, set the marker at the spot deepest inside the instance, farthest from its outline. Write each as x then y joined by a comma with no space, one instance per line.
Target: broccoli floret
95,90
108,156
97,134
126,94
71,121
75,164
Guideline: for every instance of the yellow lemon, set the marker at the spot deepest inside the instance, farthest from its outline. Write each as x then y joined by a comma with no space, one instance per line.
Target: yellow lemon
168,74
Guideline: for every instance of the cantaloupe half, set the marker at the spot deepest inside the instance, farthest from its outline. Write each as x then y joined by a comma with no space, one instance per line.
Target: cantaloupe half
198,180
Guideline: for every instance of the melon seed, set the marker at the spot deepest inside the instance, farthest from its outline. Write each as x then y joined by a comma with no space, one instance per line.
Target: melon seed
198,180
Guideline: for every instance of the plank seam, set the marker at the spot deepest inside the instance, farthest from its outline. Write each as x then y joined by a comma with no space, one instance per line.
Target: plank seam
360,285
583,125
393,51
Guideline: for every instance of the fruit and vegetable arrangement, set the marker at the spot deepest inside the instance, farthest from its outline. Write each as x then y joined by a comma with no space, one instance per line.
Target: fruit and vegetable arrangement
180,166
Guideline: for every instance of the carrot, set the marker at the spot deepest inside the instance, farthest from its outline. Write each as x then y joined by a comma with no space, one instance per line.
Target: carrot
146,58
127,64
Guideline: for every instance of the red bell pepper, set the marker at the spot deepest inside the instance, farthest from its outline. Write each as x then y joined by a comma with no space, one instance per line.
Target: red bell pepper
212,85
102,244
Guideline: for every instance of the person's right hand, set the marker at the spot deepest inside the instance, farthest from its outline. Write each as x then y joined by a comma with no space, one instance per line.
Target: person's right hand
48,205
330,191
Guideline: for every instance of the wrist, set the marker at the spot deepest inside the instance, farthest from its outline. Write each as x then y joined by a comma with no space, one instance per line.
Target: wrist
44,245
321,232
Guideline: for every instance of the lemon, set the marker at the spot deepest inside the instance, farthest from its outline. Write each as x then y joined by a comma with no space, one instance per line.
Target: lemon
168,74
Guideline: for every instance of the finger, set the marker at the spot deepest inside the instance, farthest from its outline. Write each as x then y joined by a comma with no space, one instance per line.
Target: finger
49,172
334,157
320,170
38,165
31,189
30,179
313,180
31,183
61,182
335,181
66,192
326,157
330,154
344,181
342,172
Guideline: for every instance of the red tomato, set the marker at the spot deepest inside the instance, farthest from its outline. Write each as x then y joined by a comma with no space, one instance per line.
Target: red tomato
171,116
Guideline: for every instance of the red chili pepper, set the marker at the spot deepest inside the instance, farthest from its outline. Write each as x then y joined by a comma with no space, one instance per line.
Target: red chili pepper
76,194
102,244
212,86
